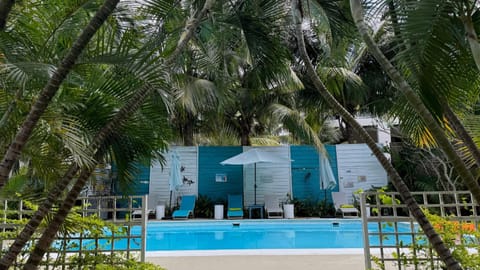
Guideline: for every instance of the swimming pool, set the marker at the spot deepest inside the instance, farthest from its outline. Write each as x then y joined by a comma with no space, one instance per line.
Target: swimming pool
258,234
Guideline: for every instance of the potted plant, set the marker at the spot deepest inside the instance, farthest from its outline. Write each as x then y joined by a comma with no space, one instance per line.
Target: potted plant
288,207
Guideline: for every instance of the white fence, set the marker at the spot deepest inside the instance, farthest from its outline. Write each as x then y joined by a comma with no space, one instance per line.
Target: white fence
393,239
128,215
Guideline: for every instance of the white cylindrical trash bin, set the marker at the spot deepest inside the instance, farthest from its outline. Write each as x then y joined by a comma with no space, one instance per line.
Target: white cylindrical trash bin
367,208
218,211
160,211
288,211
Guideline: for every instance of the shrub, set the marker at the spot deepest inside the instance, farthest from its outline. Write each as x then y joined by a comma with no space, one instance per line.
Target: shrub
204,207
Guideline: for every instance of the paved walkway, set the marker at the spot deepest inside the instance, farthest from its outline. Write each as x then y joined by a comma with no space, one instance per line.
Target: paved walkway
263,262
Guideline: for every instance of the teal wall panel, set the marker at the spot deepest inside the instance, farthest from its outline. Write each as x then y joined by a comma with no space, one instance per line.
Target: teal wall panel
209,158
305,172
140,185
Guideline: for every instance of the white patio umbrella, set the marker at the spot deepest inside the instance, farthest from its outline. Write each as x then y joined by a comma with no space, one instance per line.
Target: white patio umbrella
254,156
174,177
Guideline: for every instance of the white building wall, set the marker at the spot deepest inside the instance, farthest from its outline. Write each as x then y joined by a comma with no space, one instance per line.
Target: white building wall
272,178
159,188
358,169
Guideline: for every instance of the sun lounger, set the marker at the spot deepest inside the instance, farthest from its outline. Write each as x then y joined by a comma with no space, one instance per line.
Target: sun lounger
235,206
137,214
187,206
342,205
272,207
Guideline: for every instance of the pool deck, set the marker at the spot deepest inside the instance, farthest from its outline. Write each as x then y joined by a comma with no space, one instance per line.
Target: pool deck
263,262
305,259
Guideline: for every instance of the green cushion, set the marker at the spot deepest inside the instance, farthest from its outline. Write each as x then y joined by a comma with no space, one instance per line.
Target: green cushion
234,209
347,206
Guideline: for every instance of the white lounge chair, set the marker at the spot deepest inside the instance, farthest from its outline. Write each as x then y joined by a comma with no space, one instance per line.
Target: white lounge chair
343,206
137,214
272,207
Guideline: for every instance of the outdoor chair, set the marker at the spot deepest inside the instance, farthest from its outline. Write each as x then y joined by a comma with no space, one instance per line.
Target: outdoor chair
342,205
235,206
187,206
272,207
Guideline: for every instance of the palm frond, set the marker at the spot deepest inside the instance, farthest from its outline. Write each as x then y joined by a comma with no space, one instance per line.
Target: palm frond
295,122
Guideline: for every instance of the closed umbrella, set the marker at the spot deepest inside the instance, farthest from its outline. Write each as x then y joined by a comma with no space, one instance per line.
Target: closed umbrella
174,177
327,179
254,156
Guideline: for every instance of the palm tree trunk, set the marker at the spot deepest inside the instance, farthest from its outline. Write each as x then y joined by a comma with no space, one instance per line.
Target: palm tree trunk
134,103
118,120
5,8
43,244
472,38
462,133
51,88
402,85
397,181
32,225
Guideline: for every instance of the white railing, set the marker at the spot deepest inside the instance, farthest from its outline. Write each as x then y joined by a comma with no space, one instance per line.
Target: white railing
398,242
128,213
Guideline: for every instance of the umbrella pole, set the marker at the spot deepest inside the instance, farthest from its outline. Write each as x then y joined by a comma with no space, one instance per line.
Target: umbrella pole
255,183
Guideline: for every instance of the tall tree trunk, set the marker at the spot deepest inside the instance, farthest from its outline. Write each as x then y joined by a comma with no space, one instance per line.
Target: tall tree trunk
43,244
188,128
397,181
134,103
245,130
472,38
32,225
462,133
5,8
118,120
51,88
402,85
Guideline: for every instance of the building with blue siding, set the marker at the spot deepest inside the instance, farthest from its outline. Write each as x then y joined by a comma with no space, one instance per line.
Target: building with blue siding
216,181
353,166
306,184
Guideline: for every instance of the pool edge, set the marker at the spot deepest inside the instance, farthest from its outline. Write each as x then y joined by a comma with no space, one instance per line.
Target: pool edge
261,252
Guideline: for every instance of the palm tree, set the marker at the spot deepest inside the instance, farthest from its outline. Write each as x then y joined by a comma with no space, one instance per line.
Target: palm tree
412,205
429,120
254,73
456,86
51,88
49,234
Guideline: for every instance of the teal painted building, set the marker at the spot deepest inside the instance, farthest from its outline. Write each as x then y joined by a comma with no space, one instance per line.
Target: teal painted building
306,172
216,181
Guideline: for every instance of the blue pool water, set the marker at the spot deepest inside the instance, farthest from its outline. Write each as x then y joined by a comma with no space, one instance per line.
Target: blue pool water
281,234
258,234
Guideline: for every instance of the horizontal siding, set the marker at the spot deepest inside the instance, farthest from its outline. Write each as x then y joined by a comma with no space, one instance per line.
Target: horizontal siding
140,184
272,178
358,169
209,159
350,163
159,189
306,172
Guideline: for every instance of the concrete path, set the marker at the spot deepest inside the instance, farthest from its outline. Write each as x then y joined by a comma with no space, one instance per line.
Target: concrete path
263,262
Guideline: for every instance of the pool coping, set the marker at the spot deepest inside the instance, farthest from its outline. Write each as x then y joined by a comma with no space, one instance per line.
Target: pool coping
250,252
